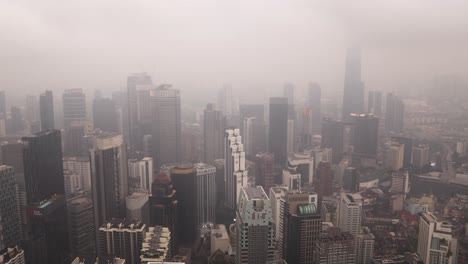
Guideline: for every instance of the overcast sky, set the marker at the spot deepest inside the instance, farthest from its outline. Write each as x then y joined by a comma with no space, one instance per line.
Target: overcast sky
256,45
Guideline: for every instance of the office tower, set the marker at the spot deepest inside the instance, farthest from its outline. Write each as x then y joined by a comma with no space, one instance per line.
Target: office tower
254,227
135,82
292,179
278,131
109,179
251,110
46,109
366,134
166,125
220,182
400,182
12,255
351,179
350,214
31,113
235,172
335,247
394,114
192,142
3,103
394,156
420,156
44,185
206,194
325,179
254,134
353,95
374,103
105,115
408,149
300,227
8,208
80,166
265,170
184,179
302,163
16,123
164,206
156,246
74,106
277,192
122,238
337,136
81,225
290,145
225,100
288,92
214,125
72,183
314,96
365,242
141,170
436,241
137,205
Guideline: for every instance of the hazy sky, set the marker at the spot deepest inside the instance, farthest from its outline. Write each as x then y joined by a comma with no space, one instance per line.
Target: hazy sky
256,45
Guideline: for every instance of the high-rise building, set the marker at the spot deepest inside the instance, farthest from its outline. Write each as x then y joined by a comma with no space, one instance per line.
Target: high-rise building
351,179
254,134
235,171
15,124
166,125
394,156
374,103
353,96
278,130
420,156
225,100
8,208
265,170
80,166
337,136
220,183
366,134
109,179
214,125
335,247
324,179
314,96
156,245
436,240
122,238
292,179
350,214
12,255
288,92
408,149
81,225
74,106
142,169
400,182
137,205
184,180
31,113
3,108
164,206
277,192
300,227
206,194
73,183
290,145
365,243
105,115
251,110
394,114
254,227
46,109
303,163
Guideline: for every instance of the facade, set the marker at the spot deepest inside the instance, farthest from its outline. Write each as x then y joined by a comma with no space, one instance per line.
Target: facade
353,96
256,111
214,126
324,179
254,133
314,96
46,109
265,170
235,172
300,227
366,134
400,182
394,156
74,106
142,169
337,136
350,214
219,239
10,233
278,130
226,100
408,146
12,255
277,192
206,194
303,163
166,130
137,205
72,183
394,114
365,242
156,245
335,247
254,227
122,238
105,115
81,225
374,103
290,146
109,177
292,179
79,166
420,156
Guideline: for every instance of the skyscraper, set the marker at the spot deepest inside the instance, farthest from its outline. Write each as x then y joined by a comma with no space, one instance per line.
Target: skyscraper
254,227
31,113
374,103
325,179
82,167
265,165
408,149
166,133
81,222
74,106
420,157
46,107
353,96
137,205
254,134
105,115
303,163
8,213
142,169
335,247
206,194
366,134
314,96
300,227
214,125
394,114
43,173
251,110
225,100
235,172
278,131
350,214
109,177
337,136
394,156
3,104
288,92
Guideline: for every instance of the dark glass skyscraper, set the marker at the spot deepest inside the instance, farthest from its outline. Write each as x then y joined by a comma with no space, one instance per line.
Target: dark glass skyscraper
46,108
366,134
8,214
278,131
394,114
214,125
314,96
337,136
353,96
374,103
105,115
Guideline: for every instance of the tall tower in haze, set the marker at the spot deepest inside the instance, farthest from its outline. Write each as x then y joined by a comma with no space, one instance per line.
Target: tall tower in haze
46,109
214,125
278,133
353,96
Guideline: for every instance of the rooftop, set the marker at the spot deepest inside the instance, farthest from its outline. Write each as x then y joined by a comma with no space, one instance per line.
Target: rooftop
255,193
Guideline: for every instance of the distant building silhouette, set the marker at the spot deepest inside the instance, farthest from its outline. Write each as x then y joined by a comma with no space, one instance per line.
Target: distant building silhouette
46,107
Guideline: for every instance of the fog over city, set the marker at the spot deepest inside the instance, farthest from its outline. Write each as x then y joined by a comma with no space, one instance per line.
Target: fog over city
252,45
